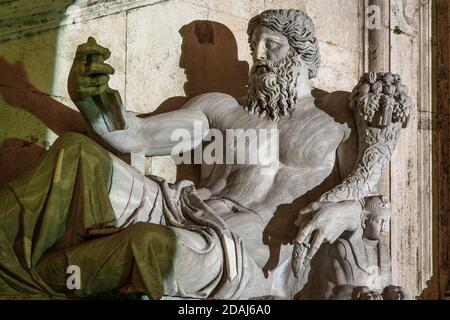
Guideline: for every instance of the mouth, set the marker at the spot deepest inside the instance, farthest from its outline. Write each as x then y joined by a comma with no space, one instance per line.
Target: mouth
259,65
260,68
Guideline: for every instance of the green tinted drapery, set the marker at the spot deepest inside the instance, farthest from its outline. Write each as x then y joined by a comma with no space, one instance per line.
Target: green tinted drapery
72,182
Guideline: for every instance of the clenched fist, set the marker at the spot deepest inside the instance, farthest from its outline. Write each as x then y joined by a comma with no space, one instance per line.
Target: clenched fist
89,74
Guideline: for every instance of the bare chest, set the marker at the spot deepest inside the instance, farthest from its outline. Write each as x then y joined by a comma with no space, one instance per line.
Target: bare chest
265,164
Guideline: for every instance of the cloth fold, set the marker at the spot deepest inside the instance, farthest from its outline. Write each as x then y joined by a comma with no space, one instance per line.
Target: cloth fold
60,213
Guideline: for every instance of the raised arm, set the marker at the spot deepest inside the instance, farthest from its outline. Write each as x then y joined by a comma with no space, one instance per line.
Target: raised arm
381,107
124,131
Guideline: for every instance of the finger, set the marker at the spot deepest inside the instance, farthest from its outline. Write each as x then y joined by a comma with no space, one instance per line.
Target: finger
310,208
98,68
319,237
306,210
305,232
316,205
92,91
93,81
90,48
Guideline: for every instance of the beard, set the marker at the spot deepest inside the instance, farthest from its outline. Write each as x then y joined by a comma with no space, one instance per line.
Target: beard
272,88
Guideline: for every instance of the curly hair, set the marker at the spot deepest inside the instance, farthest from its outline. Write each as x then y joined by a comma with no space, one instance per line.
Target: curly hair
375,203
298,28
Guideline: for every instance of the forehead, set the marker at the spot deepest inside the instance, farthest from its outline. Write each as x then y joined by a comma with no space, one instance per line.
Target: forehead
267,33
381,213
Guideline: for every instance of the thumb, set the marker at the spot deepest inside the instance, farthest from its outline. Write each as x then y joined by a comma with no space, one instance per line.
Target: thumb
92,40
298,222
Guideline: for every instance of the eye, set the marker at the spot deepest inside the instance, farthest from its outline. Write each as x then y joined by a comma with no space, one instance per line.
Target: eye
271,44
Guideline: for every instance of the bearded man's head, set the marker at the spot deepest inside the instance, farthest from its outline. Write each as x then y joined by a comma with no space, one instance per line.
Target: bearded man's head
283,44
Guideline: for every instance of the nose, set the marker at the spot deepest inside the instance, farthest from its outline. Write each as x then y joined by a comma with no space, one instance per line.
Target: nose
260,52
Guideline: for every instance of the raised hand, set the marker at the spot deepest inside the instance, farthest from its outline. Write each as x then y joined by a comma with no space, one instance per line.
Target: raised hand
89,74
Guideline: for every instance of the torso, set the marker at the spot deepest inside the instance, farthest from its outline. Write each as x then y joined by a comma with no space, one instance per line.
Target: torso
308,140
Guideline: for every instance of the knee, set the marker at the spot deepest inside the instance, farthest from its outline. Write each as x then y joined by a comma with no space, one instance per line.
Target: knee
70,138
76,141
144,234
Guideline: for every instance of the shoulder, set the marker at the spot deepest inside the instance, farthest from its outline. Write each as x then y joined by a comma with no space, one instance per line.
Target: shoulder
309,115
214,100
219,108
335,103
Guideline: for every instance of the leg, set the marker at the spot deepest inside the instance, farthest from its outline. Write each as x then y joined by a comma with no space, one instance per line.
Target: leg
80,187
143,258
141,252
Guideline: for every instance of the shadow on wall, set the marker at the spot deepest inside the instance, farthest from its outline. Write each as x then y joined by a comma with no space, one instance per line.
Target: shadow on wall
18,155
209,57
19,92
25,111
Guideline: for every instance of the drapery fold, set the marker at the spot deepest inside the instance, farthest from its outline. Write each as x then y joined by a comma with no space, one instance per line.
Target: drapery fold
60,214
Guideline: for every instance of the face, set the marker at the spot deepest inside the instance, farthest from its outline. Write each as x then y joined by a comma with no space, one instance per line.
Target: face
268,45
363,293
395,293
274,75
377,224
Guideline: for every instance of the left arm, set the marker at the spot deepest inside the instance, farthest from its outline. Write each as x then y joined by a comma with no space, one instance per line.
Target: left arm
381,108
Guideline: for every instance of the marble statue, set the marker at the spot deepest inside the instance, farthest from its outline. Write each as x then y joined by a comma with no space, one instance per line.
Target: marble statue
84,208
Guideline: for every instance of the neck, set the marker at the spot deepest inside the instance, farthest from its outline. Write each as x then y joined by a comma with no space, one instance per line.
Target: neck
370,242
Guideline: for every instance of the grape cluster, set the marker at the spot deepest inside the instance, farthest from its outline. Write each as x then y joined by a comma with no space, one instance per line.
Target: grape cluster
377,92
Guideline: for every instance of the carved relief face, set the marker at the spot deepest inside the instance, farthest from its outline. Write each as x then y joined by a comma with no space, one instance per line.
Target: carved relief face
267,44
394,293
377,224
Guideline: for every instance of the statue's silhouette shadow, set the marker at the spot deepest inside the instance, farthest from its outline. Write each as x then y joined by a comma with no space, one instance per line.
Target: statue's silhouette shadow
19,155
209,57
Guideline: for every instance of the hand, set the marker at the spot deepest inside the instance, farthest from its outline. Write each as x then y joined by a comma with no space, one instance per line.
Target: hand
89,75
326,221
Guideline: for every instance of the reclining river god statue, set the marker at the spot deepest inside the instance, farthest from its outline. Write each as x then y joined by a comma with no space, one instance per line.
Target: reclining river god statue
130,233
